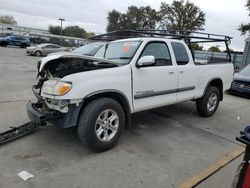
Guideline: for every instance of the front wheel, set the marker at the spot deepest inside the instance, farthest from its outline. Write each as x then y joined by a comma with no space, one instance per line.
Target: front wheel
208,104
38,53
3,44
101,124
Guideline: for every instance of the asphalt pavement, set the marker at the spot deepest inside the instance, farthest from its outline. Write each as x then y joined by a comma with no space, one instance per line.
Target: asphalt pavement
164,148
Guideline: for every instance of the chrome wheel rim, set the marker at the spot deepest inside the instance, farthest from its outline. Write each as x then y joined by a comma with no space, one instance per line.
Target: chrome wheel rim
212,102
106,125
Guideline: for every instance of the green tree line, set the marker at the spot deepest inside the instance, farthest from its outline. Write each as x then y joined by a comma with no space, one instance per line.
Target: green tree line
179,15
71,31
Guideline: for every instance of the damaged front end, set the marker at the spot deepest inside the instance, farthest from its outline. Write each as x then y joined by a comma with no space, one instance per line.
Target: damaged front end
51,70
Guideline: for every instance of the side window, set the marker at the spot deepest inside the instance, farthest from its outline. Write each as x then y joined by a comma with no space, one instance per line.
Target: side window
51,46
160,51
54,46
180,53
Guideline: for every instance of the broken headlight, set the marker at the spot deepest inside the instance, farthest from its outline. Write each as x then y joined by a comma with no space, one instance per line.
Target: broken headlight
55,87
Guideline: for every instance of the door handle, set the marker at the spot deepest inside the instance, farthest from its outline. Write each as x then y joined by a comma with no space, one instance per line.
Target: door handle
171,72
181,71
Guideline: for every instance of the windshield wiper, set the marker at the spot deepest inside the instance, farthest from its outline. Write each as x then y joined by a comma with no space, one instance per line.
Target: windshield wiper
120,58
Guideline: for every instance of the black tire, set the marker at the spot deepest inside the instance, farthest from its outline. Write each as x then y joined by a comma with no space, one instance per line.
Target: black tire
87,124
23,45
38,53
204,106
3,44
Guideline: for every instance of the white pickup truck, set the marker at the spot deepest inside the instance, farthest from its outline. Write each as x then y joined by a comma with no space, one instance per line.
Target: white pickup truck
98,94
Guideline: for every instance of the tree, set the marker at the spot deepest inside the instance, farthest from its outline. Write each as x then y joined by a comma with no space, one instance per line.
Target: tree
8,20
141,17
196,46
134,18
55,30
72,31
90,34
75,31
214,49
244,28
181,16
116,20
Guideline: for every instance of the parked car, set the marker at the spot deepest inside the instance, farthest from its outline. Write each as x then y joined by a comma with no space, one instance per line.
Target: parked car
88,49
241,82
44,49
98,95
20,41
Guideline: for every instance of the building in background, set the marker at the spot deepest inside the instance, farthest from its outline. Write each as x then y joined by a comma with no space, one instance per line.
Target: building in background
246,54
7,29
38,36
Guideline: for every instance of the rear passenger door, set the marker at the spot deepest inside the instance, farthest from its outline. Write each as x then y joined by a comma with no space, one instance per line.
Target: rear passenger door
154,85
185,71
17,40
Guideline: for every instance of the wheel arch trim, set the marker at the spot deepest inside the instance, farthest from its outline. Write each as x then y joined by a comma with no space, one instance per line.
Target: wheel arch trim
209,83
106,91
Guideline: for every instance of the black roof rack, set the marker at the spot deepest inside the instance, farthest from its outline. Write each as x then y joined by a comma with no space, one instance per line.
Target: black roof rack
188,36
193,37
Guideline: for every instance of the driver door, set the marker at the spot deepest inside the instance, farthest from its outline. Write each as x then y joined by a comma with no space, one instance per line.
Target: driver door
155,85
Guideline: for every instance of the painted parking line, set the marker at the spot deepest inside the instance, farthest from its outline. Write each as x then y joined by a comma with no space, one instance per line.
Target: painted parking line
212,168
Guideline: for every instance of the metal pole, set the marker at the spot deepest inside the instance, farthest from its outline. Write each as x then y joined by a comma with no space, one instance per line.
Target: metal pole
61,27
61,19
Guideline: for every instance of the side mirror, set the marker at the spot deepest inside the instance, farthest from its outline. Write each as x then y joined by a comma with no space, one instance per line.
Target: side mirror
146,61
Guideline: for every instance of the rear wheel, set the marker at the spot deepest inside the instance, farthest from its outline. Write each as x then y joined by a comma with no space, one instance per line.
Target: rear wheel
23,45
3,44
208,104
38,53
101,124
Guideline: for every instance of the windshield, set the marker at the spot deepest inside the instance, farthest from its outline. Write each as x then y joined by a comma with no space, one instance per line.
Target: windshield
88,49
121,52
246,70
40,45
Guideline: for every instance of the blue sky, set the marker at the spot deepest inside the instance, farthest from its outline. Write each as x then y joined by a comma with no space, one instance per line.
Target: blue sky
222,16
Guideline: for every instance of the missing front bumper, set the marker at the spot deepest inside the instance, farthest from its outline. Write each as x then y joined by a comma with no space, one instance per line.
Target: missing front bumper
38,114
41,115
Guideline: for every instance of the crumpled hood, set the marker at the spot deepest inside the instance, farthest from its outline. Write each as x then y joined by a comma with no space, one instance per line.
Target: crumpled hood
242,77
55,56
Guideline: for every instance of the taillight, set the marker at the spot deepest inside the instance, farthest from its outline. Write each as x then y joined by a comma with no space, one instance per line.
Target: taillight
246,181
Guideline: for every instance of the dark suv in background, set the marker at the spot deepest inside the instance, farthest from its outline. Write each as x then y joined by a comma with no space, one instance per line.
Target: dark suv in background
20,41
241,82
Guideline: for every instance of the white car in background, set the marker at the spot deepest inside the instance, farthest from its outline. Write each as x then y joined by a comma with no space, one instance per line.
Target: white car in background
44,49
88,49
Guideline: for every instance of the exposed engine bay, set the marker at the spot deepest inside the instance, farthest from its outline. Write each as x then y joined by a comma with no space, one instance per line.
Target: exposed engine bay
69,65
57,68
52,69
